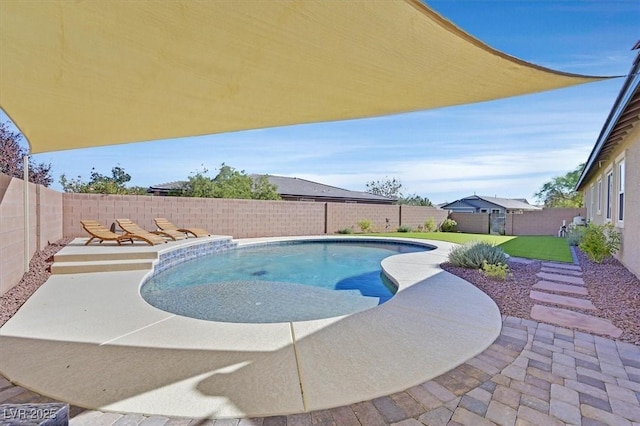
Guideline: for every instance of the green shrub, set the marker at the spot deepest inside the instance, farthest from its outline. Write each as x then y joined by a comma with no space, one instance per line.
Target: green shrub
574,236
430,225
405,228
476,254
600,241
345,231
498,271
449,225
365,225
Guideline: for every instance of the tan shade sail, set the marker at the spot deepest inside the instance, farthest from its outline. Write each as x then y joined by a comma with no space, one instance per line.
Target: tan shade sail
89,73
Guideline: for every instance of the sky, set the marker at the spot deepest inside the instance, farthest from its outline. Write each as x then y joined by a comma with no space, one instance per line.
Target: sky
505,148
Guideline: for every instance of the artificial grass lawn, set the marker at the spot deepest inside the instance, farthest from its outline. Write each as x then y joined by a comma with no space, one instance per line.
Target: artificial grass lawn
531,247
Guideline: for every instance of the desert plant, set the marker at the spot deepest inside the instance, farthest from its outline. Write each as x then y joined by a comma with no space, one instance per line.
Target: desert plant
405,228
476,254
345,231
600,241
449,225
574,236
498,271
430,225
365,225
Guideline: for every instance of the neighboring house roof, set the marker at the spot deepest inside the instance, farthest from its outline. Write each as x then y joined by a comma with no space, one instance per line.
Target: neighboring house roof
506,203
624,114
296,187
176,185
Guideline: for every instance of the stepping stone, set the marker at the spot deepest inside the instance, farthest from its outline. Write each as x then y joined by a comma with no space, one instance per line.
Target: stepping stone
562,266
560,288
571,302
561,271
570,319
560,278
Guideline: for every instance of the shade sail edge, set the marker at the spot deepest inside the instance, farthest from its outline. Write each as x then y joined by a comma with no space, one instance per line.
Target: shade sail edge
124,73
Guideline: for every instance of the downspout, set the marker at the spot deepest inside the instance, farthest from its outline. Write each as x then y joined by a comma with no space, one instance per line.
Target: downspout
25,168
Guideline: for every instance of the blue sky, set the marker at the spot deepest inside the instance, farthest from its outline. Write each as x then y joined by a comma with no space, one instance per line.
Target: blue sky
506,148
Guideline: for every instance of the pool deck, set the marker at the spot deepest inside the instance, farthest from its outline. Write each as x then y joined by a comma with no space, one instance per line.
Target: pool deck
89,339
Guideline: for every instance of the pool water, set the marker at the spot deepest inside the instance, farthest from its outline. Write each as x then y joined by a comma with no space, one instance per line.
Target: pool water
278,282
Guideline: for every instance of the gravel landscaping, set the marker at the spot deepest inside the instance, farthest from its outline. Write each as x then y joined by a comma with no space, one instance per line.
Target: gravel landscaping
612,288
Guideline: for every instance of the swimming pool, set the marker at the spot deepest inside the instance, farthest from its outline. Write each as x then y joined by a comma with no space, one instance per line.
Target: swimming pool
278,282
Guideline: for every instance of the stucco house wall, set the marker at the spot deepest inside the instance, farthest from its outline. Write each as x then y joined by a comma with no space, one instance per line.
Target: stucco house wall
627,153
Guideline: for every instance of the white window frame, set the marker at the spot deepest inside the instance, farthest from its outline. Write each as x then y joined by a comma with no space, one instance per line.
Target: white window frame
620,199
609,196
592,192
599,199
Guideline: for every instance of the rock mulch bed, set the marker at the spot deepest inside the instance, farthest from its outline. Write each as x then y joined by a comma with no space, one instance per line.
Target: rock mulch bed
612,288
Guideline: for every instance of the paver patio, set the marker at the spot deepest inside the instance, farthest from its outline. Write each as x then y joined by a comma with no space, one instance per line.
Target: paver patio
534,373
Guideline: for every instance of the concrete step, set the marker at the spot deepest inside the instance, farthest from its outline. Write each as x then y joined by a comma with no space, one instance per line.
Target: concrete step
571,319
568,266
560,288
125,254
100,266
571,302
561,271
560,278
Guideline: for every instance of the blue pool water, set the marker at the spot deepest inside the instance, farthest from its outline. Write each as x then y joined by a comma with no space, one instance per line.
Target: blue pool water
277,282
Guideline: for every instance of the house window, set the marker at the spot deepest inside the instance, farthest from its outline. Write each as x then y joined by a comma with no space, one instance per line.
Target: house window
484,211
599,199
609,194
495,211
621,191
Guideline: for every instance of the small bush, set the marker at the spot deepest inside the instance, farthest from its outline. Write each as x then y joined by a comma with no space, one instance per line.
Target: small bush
600,241
430,225
574,236
365,225
449,225
405,228
498,271
476,254
345,231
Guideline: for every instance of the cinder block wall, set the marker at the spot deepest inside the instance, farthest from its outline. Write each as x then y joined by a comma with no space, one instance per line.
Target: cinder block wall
49,216
384,218
473,223
414,216
238,218
544,222
45,225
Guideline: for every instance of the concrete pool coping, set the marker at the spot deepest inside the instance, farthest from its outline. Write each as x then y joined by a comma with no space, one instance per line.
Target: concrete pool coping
89,339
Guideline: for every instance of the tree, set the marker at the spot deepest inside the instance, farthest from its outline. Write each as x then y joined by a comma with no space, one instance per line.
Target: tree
415,200
264,190
101,184
560,190
389,188
12,162
229,183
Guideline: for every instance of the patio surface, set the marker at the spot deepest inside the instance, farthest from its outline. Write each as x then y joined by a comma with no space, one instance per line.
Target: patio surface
89,339
533,374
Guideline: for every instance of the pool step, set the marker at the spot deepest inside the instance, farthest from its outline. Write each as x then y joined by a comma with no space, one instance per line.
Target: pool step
96,257
101,266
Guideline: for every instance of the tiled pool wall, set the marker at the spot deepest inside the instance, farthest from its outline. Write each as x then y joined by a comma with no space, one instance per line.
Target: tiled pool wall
352,240
180,255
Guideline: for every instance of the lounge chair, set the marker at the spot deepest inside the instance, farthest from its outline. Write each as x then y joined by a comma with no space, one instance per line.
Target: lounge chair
99,232
165,225
132,229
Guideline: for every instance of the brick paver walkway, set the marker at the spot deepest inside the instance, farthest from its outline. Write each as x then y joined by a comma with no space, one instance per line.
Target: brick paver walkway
533,374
